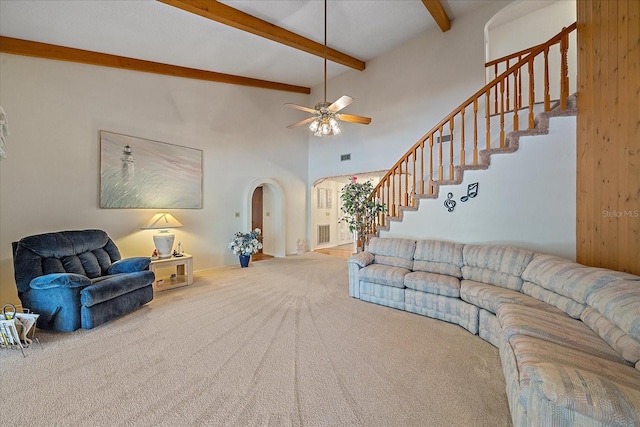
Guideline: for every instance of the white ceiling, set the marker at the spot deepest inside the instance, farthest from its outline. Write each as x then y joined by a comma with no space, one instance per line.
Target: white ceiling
149,30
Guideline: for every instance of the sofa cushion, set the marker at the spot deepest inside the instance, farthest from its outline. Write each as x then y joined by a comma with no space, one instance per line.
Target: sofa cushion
441,307
439,257
66,243
578,397
491,297
495,265
114,286
95,263
393,251
622,343
620,303
361,259
530,352
383,275
569,306
568,278
554,327
438,284
59,280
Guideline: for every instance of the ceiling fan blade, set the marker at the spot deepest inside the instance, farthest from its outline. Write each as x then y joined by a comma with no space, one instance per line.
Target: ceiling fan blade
354,119
342,102
300,107
301,122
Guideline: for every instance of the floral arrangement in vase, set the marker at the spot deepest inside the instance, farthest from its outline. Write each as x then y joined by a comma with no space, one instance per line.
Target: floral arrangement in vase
360,209
246,243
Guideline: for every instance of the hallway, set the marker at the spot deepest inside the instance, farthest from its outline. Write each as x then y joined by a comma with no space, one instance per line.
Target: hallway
343,251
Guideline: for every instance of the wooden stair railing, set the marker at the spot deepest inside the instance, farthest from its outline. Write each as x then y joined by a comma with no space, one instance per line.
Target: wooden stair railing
506,97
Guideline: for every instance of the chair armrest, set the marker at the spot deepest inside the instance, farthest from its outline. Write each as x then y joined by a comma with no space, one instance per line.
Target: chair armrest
59,280
129,265
362,259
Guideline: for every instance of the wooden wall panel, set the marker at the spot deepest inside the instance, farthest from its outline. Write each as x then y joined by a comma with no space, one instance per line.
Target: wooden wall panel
608,126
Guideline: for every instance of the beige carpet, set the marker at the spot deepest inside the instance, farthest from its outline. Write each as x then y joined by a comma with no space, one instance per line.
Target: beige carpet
279,343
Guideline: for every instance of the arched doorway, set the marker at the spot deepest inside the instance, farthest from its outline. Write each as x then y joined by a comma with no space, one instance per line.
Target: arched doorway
273,209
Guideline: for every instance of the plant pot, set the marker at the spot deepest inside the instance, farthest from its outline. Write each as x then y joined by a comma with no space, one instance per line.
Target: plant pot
244,260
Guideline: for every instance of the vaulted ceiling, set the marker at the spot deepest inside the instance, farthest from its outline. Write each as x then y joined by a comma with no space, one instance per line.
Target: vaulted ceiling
269,43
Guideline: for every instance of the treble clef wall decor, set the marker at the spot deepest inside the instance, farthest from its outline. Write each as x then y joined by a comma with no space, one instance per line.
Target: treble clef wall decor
449,203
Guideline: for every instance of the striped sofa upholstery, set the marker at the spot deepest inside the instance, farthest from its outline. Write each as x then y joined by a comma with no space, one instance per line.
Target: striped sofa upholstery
433,287
382,280
568,335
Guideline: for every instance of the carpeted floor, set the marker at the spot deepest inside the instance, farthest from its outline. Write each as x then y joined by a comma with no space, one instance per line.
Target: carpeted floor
279,343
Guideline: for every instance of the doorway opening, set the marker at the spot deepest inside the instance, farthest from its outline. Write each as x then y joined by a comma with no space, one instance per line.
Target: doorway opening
329,234
257,219
264,209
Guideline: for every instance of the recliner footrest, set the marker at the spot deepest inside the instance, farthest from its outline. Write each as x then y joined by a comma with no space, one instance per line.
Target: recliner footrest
118,284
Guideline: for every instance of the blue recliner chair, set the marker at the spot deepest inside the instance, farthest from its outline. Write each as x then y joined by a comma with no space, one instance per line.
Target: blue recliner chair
77,279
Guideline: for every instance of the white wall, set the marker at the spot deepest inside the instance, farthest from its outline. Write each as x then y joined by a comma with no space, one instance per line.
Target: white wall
516,27
529,30
526,199
268,221
405,92
50,179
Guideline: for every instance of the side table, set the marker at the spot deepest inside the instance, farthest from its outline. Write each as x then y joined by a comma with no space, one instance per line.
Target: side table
183,276
14,330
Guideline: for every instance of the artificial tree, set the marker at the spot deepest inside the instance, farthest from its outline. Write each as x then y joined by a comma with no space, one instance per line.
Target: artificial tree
360,209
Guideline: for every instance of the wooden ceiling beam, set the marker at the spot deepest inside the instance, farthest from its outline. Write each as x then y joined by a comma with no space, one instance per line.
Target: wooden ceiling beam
439,14
235,18
62,53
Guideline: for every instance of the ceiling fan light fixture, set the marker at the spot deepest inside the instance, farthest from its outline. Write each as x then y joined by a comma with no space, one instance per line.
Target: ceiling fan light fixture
335,129
324,121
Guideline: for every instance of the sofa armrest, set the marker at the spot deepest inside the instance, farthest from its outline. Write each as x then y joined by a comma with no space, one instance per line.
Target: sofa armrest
129,265
59,280
580,396
362,259
355,263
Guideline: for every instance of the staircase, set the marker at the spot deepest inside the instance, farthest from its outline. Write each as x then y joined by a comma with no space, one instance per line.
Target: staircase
486,124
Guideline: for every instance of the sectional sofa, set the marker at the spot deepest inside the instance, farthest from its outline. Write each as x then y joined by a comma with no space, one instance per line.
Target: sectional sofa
568,335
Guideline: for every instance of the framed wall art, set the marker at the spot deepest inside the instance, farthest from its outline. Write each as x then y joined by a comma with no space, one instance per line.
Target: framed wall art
141,173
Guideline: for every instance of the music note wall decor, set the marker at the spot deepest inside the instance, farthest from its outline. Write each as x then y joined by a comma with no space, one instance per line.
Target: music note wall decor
472,191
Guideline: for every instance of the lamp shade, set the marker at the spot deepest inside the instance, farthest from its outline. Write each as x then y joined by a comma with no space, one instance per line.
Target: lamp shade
163,241
162,221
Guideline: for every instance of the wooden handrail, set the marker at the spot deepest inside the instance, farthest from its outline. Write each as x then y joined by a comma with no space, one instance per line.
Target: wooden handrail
511,56
513,92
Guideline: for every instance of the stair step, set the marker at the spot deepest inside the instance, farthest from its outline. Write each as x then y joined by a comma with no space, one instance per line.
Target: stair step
408,208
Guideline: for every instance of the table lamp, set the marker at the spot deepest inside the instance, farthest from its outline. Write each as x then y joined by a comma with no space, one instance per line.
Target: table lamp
163,239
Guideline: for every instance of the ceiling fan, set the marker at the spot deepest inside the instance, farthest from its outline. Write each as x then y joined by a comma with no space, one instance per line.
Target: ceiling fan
324,121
